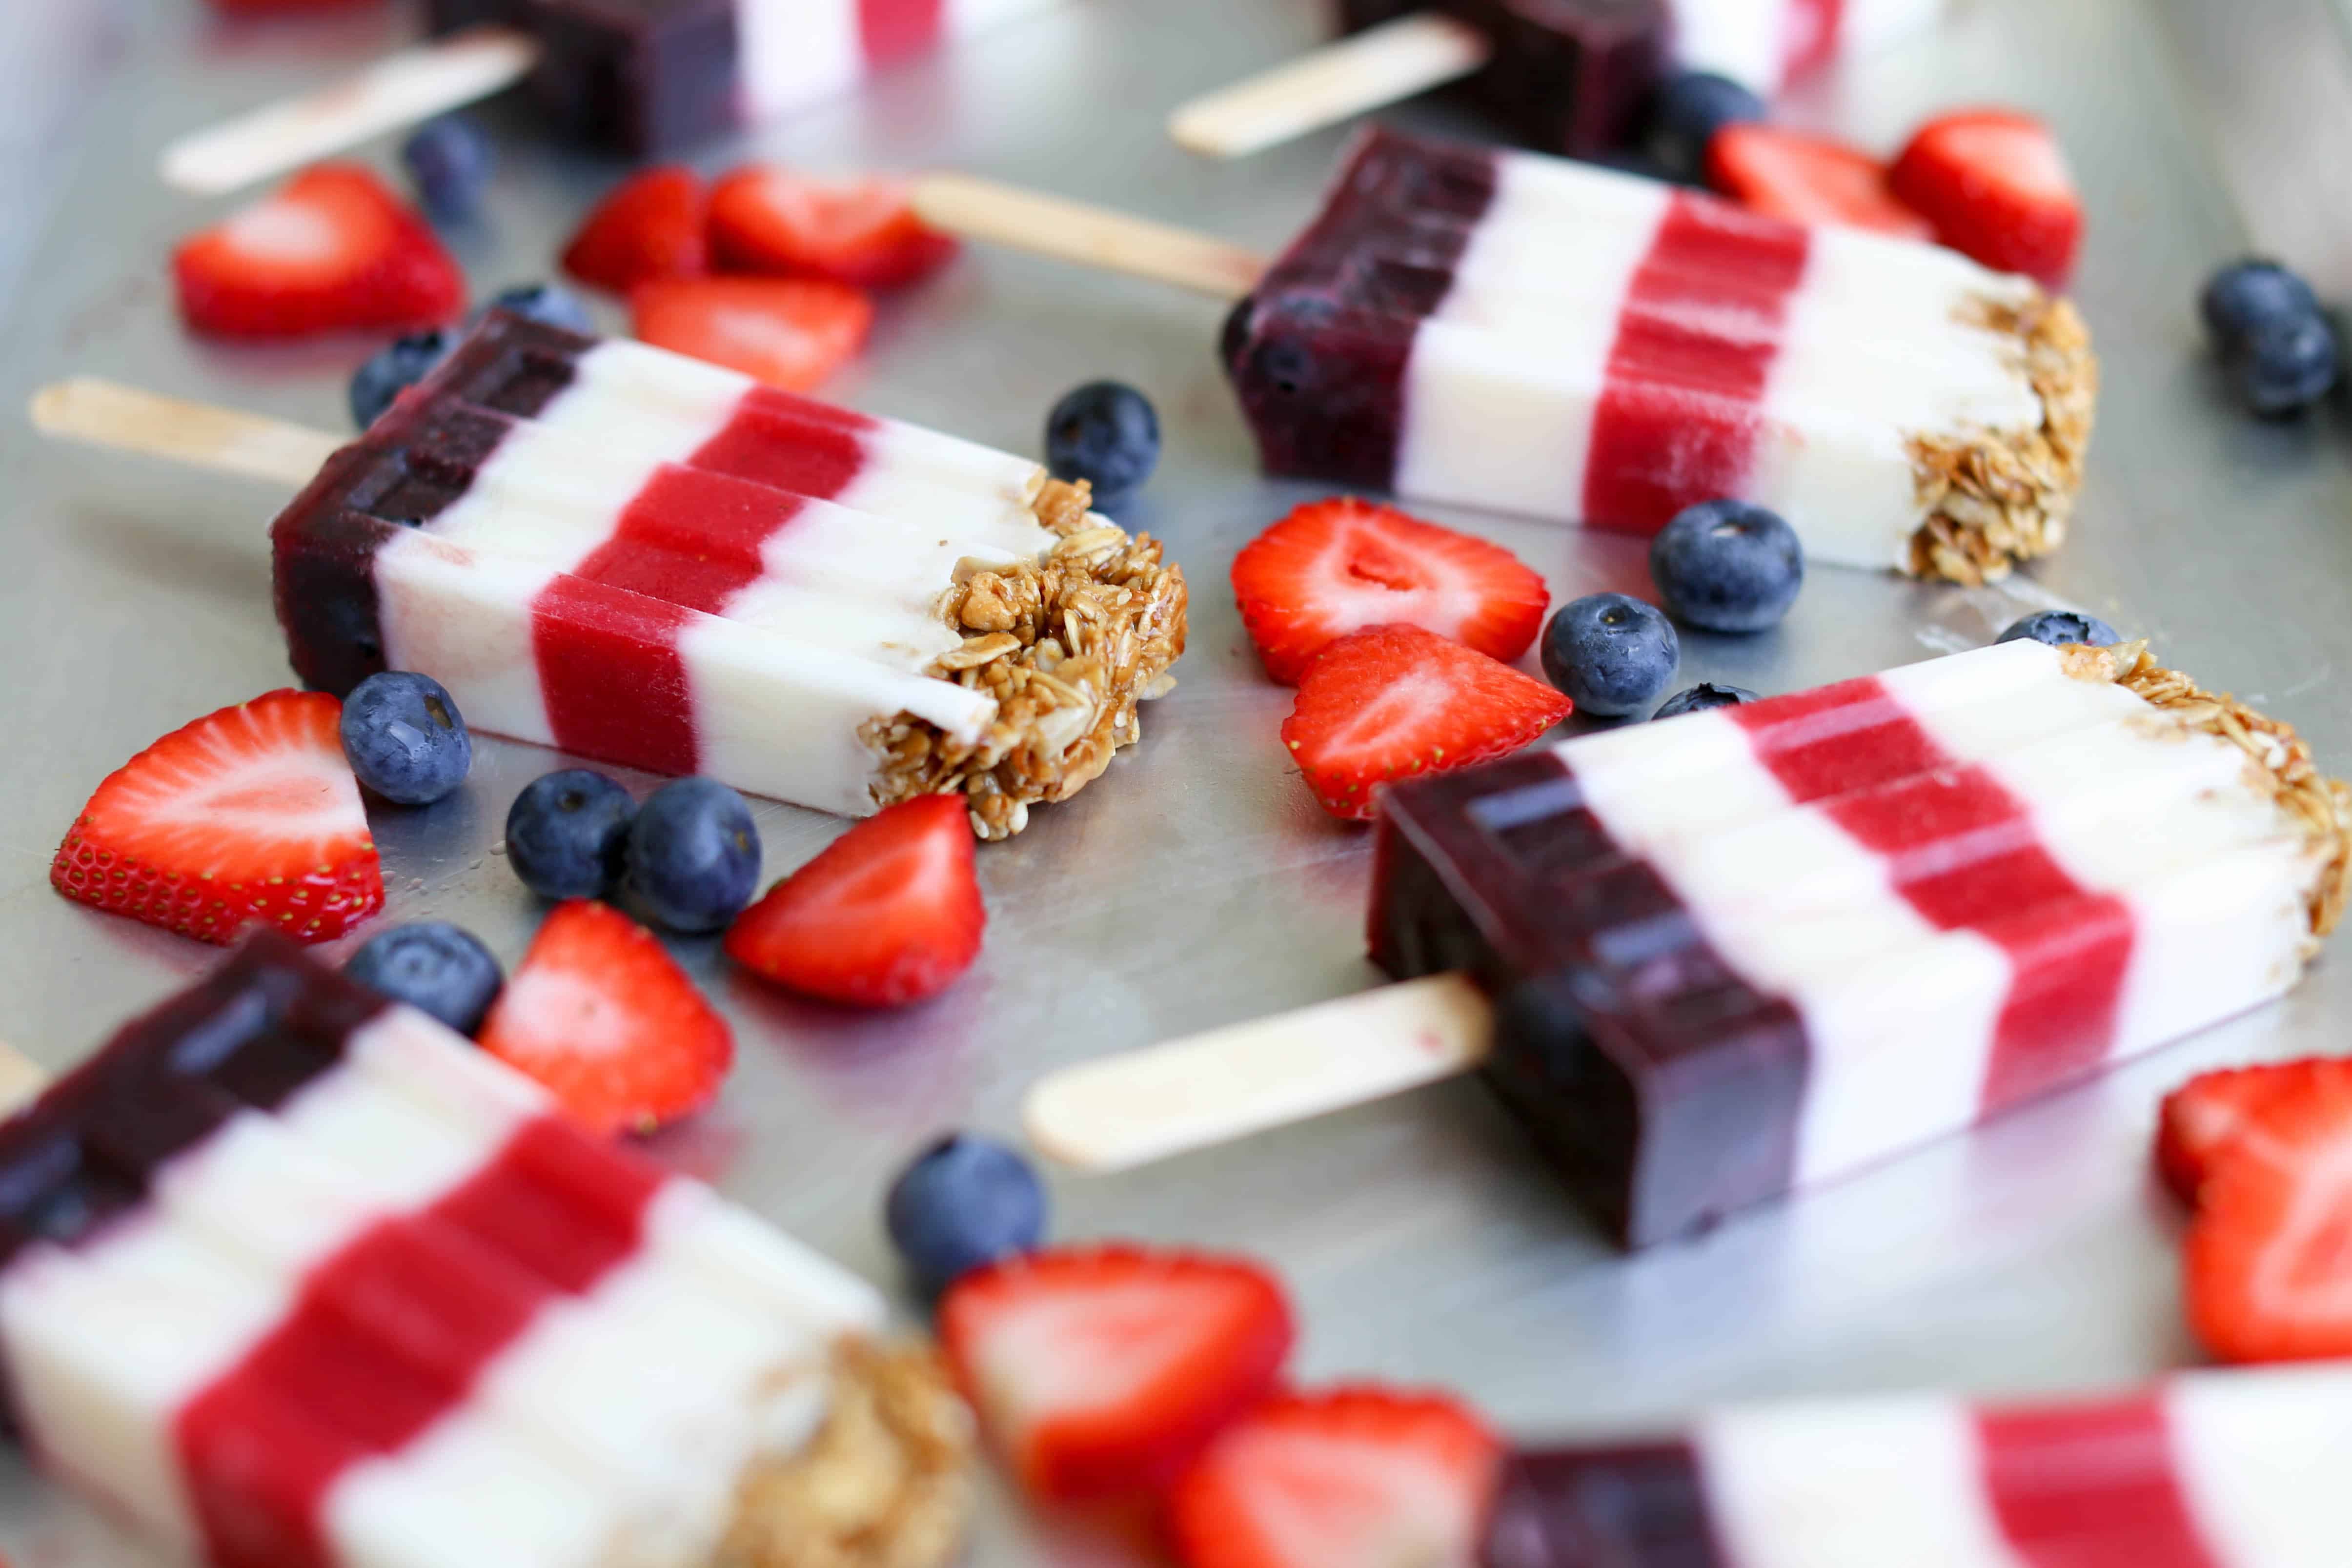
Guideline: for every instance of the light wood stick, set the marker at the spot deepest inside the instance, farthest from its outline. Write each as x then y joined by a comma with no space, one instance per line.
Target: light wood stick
225,439
404,89
1125,1110
1092,236
21,1080
1381,66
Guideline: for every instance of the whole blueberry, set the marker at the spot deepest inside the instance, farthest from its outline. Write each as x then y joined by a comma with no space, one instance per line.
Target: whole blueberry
2059,627
2285,365
550,304
568,834
1688,112
1611,654
964,1202
433,966
405,738
693,855
1727,567
449,159
2245,294
1106,434
397,366
1698,698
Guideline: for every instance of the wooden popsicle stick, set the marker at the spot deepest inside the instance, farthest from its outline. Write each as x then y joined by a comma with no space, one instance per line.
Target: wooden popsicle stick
400,89
1092,236
1381,66
228,440
21,1080
1121,1112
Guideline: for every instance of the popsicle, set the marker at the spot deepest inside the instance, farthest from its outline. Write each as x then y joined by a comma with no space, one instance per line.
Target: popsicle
290,1275
1562,76
1751,950
2221,1469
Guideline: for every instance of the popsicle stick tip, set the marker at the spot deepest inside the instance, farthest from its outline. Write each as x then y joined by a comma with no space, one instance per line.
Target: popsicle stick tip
22,1079
1377,66
1092,236
107,414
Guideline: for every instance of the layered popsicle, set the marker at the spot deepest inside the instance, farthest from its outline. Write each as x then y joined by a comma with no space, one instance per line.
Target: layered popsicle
1507,331
646,560
290,1275
1757,948
2234,1469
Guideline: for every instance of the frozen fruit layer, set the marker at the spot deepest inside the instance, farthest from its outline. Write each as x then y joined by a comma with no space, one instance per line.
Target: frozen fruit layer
1766,43
1518,332
2207,1470
650,76
1760,947
298,1278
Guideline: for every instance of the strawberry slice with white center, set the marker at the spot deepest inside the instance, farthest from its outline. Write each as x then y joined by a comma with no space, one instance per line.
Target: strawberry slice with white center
791,333
651,226
1996,186
1356,1478
248,815
2269,1257
1332,567
1391,702
767,218
1101,1372
889,914
333,250
1809,180
2202,1118
609,1024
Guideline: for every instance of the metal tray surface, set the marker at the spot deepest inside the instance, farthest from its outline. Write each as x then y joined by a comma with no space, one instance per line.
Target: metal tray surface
1196,884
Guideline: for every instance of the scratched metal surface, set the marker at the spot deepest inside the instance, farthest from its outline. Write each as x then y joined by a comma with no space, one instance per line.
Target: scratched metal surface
1196,884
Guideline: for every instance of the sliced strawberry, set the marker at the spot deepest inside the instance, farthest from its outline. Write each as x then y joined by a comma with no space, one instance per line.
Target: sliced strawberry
1357,1475
652,226
333,250
607,1021
1332,567
1996,188
1389,702
789,332
2204,1116
766,218
1102,1371
889,913
2269,1257
1808,179
248,815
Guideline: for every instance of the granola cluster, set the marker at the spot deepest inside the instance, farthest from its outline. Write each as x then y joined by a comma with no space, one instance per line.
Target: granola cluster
1067,645
885,1483
1999,497
2279,758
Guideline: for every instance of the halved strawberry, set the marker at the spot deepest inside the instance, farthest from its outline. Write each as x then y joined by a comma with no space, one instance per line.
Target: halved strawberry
2269,1257
248,815
1103,1371
1332,567
767,218
889,914
1808,179
2204,1116
1390,703
333,249
789,332
1356,1475
1996,188
653,224
607,1021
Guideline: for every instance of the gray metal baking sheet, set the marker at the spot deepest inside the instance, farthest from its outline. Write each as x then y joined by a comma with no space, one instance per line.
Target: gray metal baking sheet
1196,884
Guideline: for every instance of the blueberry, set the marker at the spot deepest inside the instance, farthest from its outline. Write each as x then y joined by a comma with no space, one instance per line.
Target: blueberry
550,304
1106,434
396,367
2243,295
1688,112
1698,698
964,1202
693,855
433,966
1612,655
1727,567
568,834
449,159
2285,365
405,738
2059,627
